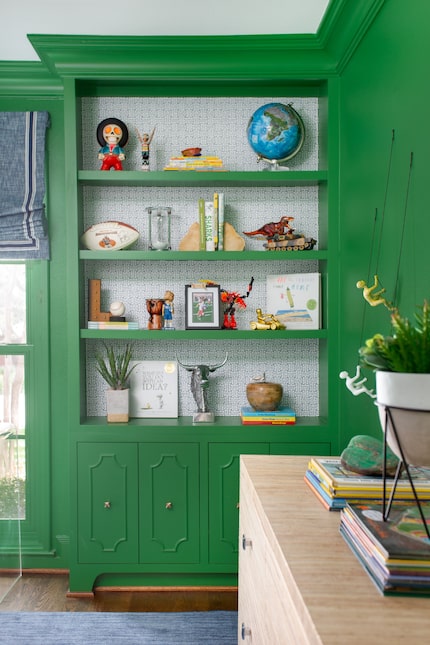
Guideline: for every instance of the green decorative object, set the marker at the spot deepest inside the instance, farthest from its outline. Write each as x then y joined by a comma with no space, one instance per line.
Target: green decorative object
364,455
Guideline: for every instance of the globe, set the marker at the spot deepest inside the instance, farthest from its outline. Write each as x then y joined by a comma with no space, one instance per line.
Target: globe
275,132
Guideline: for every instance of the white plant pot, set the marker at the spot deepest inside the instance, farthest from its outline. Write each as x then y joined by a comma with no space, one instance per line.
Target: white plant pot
117,403
408,399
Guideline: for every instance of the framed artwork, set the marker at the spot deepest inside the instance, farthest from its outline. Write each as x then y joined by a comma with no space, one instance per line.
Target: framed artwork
154,389
202,307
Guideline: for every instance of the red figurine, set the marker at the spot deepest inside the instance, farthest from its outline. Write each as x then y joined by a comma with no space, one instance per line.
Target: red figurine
112,135
232,298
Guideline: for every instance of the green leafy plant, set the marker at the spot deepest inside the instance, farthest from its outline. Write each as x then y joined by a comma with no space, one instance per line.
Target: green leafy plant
406,350
115,367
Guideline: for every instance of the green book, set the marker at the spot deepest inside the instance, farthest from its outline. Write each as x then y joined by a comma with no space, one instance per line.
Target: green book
202,243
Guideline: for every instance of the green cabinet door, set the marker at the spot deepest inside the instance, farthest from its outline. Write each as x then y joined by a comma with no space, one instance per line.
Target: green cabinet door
107,503
169,503
224,498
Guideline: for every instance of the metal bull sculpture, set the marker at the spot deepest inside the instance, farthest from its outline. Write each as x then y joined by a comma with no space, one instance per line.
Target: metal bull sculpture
199,388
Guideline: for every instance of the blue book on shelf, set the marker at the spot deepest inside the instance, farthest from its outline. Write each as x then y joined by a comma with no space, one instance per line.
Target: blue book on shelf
248,411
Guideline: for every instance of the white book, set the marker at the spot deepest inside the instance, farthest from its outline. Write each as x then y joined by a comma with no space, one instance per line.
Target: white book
294,298
154,389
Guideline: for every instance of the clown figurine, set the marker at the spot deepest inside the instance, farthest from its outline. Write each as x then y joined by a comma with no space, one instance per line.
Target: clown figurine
112,135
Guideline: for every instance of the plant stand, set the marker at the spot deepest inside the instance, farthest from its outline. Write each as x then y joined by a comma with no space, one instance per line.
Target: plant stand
403,464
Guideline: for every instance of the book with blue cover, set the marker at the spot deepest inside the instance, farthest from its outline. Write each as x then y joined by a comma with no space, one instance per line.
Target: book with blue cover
281,416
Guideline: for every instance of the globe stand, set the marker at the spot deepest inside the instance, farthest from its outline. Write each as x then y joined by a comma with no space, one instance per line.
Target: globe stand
274,165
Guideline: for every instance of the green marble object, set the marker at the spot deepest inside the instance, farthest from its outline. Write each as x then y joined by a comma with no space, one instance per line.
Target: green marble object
364,455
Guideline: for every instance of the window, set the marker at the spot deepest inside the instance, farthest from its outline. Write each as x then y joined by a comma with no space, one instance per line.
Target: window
13,335
24,407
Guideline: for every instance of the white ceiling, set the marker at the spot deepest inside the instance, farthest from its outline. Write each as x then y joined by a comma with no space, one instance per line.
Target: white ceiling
151,18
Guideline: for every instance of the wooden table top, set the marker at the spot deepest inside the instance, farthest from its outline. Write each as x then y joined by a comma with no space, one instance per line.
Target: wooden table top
342,602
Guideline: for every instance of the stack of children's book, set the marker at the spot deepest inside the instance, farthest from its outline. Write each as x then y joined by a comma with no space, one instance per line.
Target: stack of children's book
112,324
202,163
282,416
335,485
395,552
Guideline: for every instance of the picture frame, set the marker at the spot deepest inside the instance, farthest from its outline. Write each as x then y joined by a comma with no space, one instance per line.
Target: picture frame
154,392
202,307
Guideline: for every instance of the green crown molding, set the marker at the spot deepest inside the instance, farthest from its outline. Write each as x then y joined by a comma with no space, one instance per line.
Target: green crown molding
28,78
202,58
344,25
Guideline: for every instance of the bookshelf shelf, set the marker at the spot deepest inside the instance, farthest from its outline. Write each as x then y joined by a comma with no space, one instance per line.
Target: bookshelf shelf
196,178
203,256
202,334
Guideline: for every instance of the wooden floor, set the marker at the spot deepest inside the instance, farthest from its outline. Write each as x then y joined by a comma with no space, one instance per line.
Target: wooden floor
48,592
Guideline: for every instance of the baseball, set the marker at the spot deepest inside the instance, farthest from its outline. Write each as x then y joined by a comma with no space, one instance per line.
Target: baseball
117,308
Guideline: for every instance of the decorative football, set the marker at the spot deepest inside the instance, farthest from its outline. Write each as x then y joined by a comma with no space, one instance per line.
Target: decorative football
109,236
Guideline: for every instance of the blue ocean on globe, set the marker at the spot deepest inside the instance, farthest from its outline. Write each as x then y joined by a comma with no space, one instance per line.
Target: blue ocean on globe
275,132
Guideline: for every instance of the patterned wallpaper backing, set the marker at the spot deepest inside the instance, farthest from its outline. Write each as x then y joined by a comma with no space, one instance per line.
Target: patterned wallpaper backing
218,126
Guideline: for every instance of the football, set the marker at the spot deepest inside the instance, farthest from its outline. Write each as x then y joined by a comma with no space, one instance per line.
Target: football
109,236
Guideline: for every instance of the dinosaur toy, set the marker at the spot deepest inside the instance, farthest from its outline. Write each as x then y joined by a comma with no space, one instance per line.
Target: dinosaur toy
271,229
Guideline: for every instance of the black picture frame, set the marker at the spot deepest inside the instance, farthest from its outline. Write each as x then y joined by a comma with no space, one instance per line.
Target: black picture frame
202,307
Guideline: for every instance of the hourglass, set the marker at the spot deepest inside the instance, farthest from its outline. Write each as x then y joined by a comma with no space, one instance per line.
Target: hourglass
159,228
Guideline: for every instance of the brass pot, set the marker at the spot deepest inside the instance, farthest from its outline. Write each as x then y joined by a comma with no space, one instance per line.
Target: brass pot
264,396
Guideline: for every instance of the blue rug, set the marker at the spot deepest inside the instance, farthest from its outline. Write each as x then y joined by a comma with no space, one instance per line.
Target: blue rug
97,628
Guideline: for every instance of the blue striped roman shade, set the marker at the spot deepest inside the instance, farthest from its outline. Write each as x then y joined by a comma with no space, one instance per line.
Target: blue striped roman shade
23,225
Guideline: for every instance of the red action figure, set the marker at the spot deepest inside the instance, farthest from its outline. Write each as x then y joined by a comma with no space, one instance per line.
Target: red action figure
232,298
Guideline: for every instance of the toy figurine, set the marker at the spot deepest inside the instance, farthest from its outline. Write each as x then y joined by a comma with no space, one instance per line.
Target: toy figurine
269,230
112,135
356,386
154,306
374,298
199,388
168,310
232,298
145,141
266,321
281,237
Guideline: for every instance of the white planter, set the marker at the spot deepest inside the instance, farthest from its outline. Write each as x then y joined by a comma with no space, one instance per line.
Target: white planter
408,398
117,403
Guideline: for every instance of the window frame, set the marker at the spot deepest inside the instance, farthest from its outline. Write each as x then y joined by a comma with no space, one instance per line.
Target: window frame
36,527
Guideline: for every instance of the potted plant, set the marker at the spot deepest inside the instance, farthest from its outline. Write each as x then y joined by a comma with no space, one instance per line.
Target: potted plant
402,364
115,368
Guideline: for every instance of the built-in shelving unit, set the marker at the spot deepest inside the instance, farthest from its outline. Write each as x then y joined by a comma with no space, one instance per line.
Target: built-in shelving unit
155,501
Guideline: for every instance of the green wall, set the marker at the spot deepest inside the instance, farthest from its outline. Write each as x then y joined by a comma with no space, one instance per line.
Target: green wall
384,87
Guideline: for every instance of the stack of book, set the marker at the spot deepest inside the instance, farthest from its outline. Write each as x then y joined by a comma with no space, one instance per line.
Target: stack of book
108,324
194,163
211,223
335,485
282,416
396,552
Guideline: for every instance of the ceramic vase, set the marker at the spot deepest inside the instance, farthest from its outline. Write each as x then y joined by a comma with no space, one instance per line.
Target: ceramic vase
117,403
407,396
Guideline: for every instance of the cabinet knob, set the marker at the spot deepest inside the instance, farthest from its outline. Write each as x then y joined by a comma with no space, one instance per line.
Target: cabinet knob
106,504
169,505
245,631
238,505
246,542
